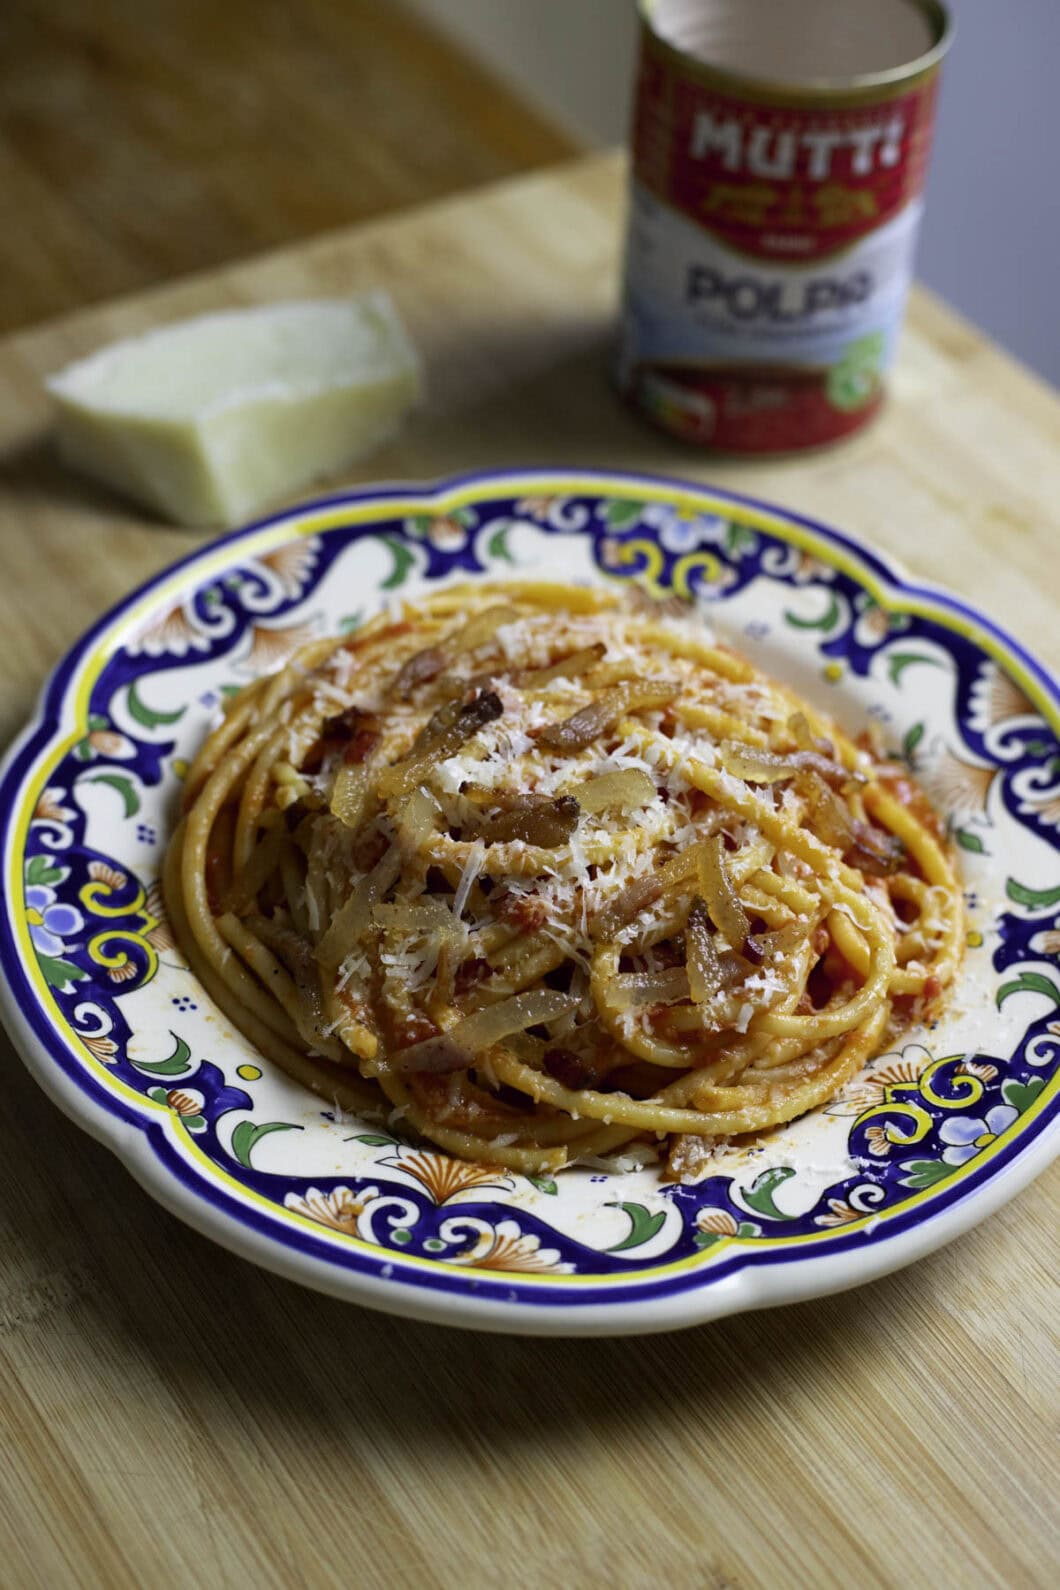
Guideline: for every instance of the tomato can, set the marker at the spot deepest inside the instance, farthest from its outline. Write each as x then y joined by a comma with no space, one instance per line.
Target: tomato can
779,155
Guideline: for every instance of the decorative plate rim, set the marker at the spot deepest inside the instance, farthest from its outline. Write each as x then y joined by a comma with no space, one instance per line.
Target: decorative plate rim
434,1291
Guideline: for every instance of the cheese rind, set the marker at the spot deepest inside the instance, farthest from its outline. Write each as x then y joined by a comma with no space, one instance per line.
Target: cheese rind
208,420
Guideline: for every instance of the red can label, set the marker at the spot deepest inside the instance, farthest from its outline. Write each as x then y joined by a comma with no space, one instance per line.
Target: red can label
769,256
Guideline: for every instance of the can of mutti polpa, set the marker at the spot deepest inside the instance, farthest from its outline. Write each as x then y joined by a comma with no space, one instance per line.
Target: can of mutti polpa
779,154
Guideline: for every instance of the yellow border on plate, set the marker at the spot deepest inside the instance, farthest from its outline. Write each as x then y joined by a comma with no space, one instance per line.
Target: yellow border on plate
329,517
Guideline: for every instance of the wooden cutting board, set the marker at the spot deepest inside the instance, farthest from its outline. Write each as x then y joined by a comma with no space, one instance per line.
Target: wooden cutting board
172,1416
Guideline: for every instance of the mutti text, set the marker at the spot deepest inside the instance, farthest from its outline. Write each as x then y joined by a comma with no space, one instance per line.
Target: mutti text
759,298
780,153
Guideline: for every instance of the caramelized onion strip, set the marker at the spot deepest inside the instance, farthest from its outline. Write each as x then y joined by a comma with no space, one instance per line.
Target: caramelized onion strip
719,893
623,790
702,965
629,990
756,765
442,737
543,820
589,723
349,794
456,1049
354,916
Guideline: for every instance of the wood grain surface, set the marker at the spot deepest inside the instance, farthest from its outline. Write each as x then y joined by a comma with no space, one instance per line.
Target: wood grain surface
172,1416
141,139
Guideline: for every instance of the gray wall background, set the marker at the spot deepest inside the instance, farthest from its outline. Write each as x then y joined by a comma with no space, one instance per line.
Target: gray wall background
991,237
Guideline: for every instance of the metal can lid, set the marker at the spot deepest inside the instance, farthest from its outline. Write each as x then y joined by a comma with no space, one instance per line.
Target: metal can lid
826,50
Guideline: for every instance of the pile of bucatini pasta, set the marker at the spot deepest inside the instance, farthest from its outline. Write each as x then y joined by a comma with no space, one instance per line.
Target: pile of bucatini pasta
542,874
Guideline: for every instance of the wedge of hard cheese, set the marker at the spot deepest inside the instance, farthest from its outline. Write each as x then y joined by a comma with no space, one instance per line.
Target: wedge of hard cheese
210,419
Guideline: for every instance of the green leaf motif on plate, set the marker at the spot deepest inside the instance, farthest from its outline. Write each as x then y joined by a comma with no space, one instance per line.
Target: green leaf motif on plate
1021,1095
544,1184
643,1225
173,1066
42,870
738,539
247,1136
374,1140
497,545
1029,983
1036,899
827,621
760,1193
59,974
899,661
402,565
124,787
969,841
925,1172
622,515
911,741
150,717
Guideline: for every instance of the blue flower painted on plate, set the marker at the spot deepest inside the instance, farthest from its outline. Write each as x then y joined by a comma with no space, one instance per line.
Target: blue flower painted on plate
683,529
51,921
967,1135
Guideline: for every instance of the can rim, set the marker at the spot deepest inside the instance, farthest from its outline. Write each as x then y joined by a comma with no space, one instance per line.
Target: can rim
937,13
